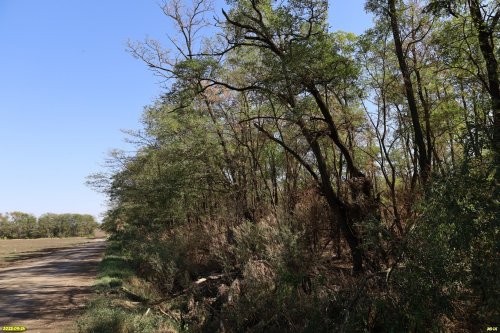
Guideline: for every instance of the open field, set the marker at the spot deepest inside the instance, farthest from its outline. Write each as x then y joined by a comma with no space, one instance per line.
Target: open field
13,250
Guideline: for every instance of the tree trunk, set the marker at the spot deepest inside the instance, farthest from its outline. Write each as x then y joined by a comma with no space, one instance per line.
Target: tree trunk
410,95
485,38
340,209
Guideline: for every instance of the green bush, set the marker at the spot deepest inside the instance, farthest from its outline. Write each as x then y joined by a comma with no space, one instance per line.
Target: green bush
448,276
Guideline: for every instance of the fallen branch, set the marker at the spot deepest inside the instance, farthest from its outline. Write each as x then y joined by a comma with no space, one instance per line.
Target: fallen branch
211,277
192,286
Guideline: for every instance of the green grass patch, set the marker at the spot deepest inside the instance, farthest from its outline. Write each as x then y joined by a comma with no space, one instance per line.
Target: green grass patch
112,309
106,315
114,269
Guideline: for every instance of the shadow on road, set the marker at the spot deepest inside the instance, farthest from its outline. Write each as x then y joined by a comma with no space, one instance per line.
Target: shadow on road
50,287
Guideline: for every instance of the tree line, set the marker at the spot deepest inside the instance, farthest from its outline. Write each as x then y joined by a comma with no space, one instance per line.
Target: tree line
325,181
24,225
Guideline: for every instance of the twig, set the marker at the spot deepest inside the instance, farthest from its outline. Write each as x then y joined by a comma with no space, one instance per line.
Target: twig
171,316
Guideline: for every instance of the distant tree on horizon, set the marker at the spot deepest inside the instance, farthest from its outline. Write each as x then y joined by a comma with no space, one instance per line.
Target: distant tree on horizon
24,225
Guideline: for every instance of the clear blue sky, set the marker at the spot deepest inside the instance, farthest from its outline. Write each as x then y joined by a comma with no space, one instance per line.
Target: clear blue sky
67,88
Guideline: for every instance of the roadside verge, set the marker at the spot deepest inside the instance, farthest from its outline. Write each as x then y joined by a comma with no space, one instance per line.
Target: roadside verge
121,299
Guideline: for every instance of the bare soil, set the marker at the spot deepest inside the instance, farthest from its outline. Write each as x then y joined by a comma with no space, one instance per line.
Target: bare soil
15,250
44,291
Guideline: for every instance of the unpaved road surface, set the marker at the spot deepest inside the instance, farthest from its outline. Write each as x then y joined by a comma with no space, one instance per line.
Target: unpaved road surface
45,294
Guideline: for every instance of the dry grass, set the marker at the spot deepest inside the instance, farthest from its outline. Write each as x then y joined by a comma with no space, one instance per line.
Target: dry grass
12,250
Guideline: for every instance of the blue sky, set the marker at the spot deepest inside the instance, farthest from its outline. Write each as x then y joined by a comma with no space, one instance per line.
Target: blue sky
67,88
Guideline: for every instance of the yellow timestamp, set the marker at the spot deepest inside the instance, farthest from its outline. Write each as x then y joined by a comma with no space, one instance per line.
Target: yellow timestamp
491,329
13,328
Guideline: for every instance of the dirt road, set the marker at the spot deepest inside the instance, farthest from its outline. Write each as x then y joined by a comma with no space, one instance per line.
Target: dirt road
44,294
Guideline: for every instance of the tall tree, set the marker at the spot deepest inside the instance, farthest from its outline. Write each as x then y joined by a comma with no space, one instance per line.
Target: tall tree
391,11
484,16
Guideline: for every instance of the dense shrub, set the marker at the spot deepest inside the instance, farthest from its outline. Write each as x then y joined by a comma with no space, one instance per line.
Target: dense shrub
447,275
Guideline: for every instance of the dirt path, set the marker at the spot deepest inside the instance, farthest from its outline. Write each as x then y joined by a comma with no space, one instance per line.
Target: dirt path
44,294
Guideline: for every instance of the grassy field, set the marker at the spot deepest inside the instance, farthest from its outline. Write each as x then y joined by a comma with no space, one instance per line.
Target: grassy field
12,250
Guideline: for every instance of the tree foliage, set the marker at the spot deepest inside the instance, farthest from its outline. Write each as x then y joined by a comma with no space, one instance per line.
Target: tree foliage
296,179
23,225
